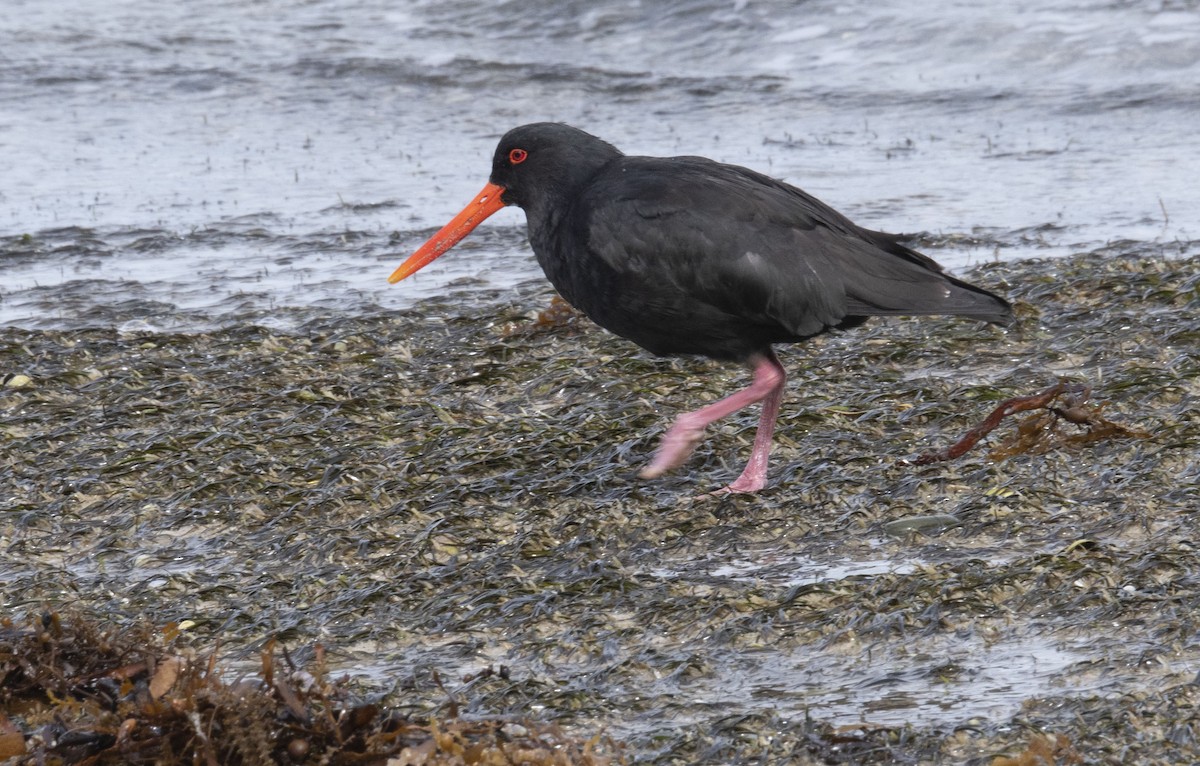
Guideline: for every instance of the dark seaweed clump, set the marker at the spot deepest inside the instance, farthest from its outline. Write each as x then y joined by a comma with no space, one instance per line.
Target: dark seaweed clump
431,493
109,697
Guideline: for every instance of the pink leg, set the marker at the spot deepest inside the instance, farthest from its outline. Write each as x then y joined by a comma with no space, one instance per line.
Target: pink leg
688,429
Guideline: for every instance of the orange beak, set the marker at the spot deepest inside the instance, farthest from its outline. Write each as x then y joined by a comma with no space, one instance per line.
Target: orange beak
485,203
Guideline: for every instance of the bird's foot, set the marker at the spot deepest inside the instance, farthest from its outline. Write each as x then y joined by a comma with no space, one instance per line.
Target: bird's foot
745,485
738,488
678,443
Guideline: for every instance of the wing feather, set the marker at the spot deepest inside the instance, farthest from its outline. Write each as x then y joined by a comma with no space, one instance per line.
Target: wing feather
753,247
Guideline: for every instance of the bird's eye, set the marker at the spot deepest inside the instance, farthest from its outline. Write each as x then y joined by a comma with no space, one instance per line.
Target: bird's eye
517,156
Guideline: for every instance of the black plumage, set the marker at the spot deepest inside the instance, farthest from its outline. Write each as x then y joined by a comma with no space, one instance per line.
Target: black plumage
684,255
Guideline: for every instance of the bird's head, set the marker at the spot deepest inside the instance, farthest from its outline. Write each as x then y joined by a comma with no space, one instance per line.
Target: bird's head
543,163
536,167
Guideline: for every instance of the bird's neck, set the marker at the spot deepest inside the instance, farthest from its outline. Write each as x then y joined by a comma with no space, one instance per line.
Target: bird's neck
553,202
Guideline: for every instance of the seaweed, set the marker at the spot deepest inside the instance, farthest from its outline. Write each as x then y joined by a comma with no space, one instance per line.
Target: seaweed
431,493
105,696
1063,402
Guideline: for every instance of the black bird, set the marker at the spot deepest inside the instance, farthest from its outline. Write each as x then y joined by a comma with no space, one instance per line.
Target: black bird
684,255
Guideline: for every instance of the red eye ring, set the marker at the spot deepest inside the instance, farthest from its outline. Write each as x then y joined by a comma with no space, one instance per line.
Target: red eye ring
517,156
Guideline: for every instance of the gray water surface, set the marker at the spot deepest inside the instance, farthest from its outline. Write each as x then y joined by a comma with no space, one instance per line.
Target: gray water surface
186,165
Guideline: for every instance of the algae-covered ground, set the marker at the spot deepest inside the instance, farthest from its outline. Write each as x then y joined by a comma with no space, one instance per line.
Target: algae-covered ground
445,500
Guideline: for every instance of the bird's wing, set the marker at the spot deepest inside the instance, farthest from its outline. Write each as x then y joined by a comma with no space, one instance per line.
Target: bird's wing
754,247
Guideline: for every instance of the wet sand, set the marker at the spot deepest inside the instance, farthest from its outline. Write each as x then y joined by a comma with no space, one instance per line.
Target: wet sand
452,487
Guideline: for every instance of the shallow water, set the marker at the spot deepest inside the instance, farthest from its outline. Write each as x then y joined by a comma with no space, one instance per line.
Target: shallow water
942,681
983,673
186,167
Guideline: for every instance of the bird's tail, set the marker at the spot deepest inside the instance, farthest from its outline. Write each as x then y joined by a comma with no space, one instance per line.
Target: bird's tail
967,300
914,284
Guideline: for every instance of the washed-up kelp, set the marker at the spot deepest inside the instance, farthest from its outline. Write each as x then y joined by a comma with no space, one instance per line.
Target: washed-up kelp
90,695
1064,402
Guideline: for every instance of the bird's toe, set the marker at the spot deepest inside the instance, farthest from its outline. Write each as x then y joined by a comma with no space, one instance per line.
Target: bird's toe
677,445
